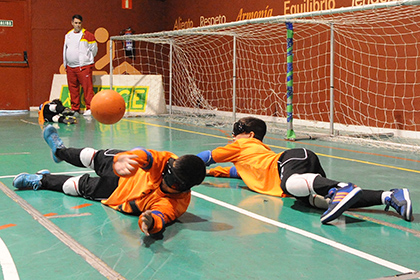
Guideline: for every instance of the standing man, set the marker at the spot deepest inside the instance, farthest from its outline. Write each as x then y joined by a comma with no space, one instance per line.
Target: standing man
79,50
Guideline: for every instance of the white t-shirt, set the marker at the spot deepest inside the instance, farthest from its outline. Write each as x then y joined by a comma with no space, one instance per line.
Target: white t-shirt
72,51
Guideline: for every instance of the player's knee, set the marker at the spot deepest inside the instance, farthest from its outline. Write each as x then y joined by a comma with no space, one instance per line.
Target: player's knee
301,185
71,186
56,118
86,157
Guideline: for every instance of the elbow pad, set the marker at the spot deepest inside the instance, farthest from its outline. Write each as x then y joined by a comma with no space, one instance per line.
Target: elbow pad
206,157
233,173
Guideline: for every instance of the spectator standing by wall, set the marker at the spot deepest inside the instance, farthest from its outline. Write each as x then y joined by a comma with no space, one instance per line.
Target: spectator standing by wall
79,50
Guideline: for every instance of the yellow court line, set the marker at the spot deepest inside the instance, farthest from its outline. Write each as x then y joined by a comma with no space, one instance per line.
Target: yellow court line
284,148
372,163
180,129
361,161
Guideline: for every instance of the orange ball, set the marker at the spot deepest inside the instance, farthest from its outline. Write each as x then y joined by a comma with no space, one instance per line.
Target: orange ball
107,106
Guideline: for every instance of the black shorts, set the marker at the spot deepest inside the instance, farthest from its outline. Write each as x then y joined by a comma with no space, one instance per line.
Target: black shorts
298,161
98,188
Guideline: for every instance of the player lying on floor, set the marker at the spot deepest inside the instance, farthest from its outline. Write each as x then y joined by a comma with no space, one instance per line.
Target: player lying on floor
155,185
54,111
294,172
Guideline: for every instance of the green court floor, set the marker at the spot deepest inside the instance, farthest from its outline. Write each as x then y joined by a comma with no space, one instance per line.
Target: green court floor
228,232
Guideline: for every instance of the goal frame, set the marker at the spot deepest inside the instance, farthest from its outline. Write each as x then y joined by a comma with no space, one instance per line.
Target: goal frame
295,18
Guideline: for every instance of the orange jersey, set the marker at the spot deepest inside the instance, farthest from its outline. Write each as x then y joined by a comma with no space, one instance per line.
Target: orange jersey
141,191
255,162
41,118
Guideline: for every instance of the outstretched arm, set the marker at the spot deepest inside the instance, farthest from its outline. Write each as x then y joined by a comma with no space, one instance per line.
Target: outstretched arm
228,153
153,221
219,171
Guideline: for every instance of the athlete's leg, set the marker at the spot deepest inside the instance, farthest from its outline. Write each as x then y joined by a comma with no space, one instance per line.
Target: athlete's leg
94,188
370,198
302,174
99,160
303,177
78,157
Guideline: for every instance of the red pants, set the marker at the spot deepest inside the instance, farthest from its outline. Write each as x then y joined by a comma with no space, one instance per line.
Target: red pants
80,76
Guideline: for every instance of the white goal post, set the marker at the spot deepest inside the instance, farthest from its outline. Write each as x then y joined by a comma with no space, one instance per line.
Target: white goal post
352,71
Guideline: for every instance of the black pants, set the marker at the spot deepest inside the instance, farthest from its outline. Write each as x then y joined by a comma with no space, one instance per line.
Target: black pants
300,161
94,188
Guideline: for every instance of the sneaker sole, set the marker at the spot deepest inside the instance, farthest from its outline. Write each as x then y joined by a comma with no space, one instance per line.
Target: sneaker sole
343,205
46,133
408,214
13,183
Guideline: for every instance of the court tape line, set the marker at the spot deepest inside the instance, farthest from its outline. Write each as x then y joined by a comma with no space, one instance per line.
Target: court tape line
7,264
55,173
404,276
280,147
90,258
318,238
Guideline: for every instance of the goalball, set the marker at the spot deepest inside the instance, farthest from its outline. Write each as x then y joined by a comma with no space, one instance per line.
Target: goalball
107,106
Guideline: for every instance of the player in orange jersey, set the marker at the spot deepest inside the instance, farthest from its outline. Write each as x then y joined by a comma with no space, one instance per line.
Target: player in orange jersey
294,172
54,111
155,185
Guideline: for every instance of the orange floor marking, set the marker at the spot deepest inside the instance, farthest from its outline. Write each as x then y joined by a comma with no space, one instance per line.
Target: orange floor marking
50,214
82,205
7,226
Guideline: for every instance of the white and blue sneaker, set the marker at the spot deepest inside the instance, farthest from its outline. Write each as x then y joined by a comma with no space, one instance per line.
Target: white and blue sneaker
25,181
341,200
53,140
401,202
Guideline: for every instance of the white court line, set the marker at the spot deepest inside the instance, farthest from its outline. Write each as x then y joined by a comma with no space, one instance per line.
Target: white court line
14,154
7,264
65,238
318,238
55,173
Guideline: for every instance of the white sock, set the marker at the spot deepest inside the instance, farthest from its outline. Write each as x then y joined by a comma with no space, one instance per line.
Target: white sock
385,195
342,185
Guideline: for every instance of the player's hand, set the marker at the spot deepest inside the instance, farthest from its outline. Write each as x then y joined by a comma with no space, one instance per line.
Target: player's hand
146,221
125,165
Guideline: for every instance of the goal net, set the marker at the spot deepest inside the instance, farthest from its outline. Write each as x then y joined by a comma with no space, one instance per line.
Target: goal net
352,72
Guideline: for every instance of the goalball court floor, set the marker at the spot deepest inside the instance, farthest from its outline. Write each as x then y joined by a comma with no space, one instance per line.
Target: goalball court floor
228,231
